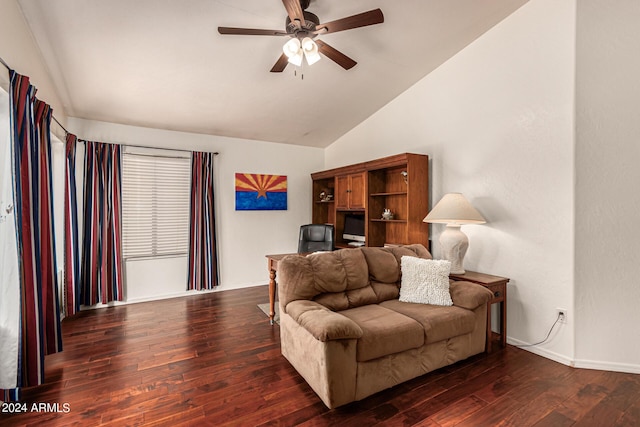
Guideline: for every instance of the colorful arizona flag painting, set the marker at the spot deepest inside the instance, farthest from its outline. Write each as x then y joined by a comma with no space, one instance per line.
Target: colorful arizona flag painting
261,192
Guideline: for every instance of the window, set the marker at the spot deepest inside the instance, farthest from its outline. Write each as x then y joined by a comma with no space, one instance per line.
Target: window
155,204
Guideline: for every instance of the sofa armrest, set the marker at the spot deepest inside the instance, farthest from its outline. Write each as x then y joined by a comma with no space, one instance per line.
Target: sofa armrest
469,295
324,324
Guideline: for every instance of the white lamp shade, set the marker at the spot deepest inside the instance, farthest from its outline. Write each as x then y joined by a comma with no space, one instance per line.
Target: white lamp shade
453,208
291,48
310,49
293,51
296,59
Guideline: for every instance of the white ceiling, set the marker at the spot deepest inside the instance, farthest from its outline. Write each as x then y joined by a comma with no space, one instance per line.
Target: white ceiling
162,63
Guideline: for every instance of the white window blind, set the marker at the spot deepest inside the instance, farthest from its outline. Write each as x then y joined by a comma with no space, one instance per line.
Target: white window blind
155,205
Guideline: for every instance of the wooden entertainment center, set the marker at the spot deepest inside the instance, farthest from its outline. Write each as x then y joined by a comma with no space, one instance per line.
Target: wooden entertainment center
399,183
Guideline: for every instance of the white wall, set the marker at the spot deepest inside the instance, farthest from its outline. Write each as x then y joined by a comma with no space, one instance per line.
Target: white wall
607,179
19,50
497,123
244,237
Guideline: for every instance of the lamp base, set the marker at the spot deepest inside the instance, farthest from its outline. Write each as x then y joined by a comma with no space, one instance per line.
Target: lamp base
454,244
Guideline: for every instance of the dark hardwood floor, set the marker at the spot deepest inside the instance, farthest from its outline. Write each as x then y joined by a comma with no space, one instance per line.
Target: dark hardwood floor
213,359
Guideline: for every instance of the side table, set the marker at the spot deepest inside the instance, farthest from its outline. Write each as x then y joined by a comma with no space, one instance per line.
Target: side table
498,286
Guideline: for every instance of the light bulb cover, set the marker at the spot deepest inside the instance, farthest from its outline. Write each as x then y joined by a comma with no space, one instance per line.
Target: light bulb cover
308,44
310,49
296,59
292,47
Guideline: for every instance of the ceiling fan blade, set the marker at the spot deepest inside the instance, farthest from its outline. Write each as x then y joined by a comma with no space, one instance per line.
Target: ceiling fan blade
280,64
294,10
336,56
356,21
250,32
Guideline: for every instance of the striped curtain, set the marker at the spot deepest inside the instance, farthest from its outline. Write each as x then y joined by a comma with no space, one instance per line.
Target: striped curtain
39,324
71,241
101,266
203,258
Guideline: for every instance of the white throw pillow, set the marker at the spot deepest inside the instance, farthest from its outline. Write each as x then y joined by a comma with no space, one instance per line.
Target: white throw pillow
425,281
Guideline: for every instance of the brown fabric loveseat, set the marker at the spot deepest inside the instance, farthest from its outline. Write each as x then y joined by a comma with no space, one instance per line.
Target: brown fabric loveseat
344,330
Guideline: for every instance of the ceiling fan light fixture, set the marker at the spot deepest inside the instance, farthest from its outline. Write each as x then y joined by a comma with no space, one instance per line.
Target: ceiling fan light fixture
310,49
296,59
302,25
293,50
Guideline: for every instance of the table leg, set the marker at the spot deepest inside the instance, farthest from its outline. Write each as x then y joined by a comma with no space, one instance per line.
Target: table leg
503,321
489,332
272,294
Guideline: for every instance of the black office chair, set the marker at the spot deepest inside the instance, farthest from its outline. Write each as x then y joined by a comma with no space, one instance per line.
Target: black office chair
316,237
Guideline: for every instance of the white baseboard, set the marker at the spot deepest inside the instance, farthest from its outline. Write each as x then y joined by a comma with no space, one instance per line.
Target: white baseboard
560,358
144,299
608,366
578,363
172,295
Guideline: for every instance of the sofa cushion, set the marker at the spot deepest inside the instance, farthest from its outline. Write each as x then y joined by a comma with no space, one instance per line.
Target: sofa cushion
384,263
384,331
383,266
439,322
348,299
322,323
425,281
385,291
338,271
416,250
303,278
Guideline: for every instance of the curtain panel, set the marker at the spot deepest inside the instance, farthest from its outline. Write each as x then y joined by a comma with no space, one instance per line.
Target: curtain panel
101,278
39,323
203,258
71,240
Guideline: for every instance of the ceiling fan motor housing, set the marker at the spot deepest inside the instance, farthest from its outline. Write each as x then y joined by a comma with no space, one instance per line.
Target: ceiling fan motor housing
300,31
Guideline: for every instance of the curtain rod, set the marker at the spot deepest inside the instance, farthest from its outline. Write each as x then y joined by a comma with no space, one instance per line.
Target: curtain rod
215,153
2,61
5,64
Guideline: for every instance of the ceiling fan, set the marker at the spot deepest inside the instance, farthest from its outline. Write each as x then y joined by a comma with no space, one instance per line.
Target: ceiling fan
303,27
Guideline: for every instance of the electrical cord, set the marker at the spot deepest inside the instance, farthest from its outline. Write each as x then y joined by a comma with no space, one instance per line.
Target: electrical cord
545,338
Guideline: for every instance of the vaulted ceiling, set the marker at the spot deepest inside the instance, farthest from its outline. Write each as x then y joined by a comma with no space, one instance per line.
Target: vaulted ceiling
162,63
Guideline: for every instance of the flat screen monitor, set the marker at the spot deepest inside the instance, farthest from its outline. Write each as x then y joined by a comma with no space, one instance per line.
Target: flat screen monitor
353,228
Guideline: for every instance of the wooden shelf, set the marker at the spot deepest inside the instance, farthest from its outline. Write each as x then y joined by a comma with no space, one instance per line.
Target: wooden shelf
324,201
400,221
391,193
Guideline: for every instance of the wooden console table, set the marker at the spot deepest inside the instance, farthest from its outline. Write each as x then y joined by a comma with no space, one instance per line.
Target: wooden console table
498,286
272,264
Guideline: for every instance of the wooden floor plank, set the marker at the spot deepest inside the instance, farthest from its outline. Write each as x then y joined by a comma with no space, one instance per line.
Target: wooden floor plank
213,359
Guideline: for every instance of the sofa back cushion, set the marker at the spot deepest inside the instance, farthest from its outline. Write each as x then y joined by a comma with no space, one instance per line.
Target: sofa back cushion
333,274
346,278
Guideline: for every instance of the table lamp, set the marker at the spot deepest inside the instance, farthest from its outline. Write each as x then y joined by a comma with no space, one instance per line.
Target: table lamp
454,210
